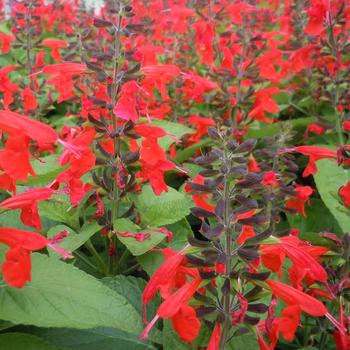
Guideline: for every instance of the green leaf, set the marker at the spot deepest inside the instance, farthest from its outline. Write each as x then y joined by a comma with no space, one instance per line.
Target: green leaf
243,342
329,179
12,218
137,247
92,339
46,169
152,260
21,341
260,129
175,129
60,295
165,209
74,240
171,340
318,218
59,209
132,288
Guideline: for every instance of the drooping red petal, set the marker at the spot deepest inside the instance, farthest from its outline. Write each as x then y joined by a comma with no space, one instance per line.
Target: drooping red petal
14,123
292,296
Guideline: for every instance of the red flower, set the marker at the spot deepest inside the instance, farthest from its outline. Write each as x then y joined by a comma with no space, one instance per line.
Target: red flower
344,193
315,153
16,149
5,42
170,275
292,296
186,323
13,123
215,338
126,104
30,102
55,45
28,203
298,202
17,266
247,232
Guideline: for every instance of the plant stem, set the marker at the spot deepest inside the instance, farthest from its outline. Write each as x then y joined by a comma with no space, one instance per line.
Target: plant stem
228,252
116,141
96,255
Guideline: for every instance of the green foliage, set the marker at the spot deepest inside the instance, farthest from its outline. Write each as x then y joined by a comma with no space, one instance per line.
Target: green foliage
165,209
329,179
60,295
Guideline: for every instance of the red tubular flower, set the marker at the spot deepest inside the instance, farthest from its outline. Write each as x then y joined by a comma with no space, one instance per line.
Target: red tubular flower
305,264
186,323
30,102
17,266
292,296
55,45
315,153
162,276
5,42
170,275
16,149
344,193
28,203
215,338
125,107
13,123
298,203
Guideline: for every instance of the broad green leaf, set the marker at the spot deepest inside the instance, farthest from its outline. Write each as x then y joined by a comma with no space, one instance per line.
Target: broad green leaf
132,288
329,179
21,341
174,129
59,209
165,209
60,295
46,169
137,247
92,339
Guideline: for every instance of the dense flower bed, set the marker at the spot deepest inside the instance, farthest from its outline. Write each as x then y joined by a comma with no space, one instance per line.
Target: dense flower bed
174,174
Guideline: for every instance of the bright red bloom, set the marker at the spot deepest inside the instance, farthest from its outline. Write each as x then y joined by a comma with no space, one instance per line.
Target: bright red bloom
125,107
5,42
264,103
247,232
55,45
186,323
344,193
17,266
315,153
169,276
30,102
298,202
304,265
16,149
215,338
13,123
292,296
28,203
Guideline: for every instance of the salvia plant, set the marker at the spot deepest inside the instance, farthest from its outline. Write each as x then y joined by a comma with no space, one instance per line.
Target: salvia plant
174,174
